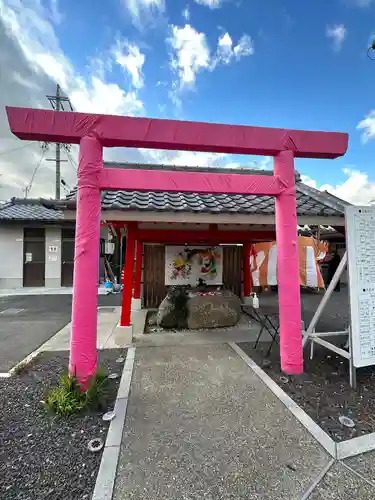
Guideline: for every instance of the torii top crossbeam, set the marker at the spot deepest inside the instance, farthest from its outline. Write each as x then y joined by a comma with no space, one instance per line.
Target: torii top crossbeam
93,132
125,131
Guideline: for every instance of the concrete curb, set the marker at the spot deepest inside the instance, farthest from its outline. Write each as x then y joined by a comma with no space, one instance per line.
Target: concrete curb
355,446
105,481
23,362
339,451
317,480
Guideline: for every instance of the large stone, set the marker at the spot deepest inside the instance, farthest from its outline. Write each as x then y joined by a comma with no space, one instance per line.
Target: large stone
222,309
168,316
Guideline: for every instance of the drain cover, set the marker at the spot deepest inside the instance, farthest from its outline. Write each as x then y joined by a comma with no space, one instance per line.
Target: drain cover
10,312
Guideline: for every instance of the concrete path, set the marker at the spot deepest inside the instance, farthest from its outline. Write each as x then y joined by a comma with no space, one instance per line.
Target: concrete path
107,337
189,337
202,425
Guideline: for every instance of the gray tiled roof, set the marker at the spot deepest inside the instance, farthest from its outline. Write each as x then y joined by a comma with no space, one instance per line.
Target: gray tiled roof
26,210
210,203
310,201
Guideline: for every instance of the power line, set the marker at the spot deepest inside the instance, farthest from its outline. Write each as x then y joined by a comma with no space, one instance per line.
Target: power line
16,149
71,161
27,189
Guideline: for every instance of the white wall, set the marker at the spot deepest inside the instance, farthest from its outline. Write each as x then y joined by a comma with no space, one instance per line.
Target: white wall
11,257
53,257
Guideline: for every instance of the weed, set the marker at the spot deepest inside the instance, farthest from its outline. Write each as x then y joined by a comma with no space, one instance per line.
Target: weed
67,398
20,368
24,366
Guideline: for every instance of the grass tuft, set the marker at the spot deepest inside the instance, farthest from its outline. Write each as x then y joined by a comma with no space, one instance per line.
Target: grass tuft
24,366
68,399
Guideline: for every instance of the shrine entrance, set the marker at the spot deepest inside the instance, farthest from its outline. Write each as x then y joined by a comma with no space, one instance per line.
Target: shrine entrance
93,132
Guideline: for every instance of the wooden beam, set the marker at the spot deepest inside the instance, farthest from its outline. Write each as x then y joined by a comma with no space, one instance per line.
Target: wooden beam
213,237
144,216
190,182
125,131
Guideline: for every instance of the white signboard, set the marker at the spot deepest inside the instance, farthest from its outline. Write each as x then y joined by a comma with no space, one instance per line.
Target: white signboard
52,249
360,242
186,265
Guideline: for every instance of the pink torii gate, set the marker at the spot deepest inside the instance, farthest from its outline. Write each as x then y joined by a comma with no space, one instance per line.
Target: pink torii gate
93,132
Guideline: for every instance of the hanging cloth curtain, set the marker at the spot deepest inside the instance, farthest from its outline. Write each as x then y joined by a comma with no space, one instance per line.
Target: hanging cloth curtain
263,262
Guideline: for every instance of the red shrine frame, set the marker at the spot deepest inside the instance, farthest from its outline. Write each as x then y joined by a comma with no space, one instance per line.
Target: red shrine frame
93,132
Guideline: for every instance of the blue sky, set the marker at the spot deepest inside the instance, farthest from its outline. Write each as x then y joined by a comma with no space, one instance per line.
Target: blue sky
288,64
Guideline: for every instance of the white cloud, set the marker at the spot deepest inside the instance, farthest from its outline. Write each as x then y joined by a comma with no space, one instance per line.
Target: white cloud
337,33
56,16
31,53
183,158
144,11
204,160
356,189
35,35
244,47
368,126
225,48
212,4
186,13
191,54
226,52
131,59
107,98
360,3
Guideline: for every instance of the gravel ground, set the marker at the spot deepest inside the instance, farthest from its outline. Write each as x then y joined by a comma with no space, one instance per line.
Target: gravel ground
323,391
43,456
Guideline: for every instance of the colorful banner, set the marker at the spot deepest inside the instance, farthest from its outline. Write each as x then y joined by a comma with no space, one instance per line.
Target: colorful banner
186,265
263,262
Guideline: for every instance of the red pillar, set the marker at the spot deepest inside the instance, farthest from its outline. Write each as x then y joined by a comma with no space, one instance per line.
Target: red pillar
288,267
83,353
246,270
138,270
127,289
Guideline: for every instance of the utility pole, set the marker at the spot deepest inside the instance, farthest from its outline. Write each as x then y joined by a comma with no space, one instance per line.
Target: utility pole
58,168
57,102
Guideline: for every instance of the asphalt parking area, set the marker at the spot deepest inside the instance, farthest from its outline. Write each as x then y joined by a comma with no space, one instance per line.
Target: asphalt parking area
26,322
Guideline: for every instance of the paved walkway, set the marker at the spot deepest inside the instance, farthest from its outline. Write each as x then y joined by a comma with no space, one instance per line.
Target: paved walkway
202,425
107,337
